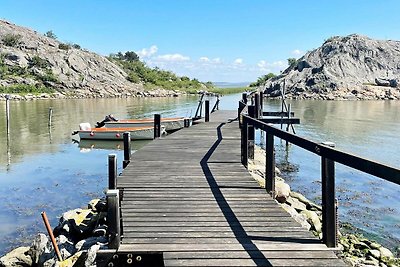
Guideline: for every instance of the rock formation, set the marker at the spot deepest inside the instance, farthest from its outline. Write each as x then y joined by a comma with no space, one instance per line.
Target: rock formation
351,67
72,70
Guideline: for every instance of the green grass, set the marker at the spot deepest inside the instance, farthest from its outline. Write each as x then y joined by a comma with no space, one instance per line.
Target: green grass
23,89
227,91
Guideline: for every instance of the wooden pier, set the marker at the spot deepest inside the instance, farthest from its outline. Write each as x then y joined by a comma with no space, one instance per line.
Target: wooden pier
188,199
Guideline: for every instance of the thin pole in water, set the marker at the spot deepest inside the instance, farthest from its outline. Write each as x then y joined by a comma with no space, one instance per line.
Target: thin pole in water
50,115
8,113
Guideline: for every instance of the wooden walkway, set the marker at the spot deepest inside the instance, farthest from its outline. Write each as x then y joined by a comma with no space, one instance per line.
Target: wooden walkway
188,196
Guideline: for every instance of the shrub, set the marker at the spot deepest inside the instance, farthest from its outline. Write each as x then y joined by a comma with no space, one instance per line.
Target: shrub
64,46
25,89
76,46
12,40
47,77
51,35
39,62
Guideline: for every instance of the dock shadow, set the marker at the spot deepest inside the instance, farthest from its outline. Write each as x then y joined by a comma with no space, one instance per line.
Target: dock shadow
240,234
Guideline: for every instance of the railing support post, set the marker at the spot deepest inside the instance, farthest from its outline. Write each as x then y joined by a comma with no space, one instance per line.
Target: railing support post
112,171
207,111
270,165
113,219
157,126
329,216
127,149
244,141
251,133
261,104
186,122
244,98
256,105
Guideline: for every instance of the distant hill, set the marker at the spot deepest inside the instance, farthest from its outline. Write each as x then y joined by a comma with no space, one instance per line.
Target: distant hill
230,85
351,67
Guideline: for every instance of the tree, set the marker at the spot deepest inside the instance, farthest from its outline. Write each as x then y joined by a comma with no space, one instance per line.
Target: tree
131,56
51,35
261,80
292,61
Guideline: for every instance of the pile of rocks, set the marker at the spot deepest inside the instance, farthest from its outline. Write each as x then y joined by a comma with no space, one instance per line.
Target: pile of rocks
79,235
354,249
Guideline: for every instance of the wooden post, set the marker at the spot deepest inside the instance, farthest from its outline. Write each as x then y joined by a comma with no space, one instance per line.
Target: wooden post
186,122
244,141
244,98
8,113
329,214
207,111
157,126
50,115
270,165
127,149
256,105
112,171
261,104
50,231
113,219
251,133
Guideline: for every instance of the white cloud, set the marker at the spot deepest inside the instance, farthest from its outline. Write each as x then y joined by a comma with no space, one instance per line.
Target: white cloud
297,52
262,64
216,60
173,58
204,59
147,52
238,61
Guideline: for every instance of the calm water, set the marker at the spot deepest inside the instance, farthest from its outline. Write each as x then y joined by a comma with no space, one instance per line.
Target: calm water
41,168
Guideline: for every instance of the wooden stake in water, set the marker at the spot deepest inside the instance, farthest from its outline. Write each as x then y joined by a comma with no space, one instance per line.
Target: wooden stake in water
50,115
8,113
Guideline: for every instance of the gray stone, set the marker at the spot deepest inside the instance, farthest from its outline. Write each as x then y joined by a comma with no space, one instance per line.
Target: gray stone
85,244
301,219
313,219
386,253
296,204
91,256
382,82
17,257
375,253
39,246
282,191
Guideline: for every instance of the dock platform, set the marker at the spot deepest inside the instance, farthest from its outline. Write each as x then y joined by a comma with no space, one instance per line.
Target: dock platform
188,197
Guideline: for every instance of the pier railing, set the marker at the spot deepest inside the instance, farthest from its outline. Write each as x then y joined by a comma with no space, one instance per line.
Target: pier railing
328,154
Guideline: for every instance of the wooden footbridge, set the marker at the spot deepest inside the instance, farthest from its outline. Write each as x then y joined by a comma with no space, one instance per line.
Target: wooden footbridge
187,200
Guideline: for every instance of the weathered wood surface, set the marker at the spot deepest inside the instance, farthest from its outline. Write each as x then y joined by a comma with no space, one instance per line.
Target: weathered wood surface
189,197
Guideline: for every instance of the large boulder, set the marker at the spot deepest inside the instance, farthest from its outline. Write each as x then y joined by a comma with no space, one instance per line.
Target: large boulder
282,191
18,257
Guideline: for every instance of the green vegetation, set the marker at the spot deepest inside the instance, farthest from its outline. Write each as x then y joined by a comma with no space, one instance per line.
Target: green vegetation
38,62
64,46
12,40
152,78
291,61
50,34
262,80
42,76
227,91
25,89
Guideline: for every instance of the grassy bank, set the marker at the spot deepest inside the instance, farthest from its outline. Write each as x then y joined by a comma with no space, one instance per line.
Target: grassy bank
227,91
23,89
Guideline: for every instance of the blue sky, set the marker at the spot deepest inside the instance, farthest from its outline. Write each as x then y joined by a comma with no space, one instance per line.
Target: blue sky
212,40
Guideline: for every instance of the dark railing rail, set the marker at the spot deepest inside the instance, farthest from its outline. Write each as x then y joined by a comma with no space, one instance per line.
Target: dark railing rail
329,155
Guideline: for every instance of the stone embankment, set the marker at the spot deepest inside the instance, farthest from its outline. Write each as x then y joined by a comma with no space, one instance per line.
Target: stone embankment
80,233
354,249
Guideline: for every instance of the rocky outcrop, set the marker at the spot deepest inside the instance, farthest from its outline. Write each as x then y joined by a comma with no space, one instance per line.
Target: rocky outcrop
72,69
352,67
